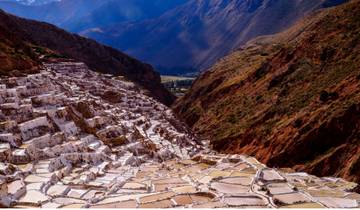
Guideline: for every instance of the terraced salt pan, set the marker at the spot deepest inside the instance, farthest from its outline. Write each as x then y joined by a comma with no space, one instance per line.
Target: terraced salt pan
65,144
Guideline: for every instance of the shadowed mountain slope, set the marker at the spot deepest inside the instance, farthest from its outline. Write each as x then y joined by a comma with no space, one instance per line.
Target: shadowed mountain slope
194,35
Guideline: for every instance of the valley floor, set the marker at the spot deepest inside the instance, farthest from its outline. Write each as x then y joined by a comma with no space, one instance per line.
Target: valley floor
177,85
74,138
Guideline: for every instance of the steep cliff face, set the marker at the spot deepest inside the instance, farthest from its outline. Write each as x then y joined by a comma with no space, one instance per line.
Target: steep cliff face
98,57
292,100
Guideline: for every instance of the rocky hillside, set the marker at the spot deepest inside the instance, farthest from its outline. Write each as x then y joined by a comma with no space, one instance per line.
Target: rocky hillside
99,57
15,55
194,35
292,100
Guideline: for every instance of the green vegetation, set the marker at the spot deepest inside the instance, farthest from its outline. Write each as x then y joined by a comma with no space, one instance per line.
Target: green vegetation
176,84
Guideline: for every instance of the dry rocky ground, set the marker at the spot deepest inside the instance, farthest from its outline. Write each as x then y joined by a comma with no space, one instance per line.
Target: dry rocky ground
71,137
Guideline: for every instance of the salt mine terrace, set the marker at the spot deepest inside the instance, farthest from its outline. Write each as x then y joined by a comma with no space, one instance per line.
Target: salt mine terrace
74,138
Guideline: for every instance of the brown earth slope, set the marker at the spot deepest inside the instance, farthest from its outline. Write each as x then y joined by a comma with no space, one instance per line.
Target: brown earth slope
98,57
15,55
292,100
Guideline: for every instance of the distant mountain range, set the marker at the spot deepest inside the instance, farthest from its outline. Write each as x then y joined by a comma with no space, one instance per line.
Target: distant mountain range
176,36
79,15
31,2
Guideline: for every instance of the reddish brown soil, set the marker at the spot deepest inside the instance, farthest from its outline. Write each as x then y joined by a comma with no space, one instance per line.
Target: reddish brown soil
16,57
292,100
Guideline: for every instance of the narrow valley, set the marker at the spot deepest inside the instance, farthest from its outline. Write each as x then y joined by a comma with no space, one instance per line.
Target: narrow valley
273,124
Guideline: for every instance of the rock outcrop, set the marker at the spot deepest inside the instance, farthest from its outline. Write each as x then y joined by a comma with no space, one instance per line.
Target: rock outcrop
71,138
